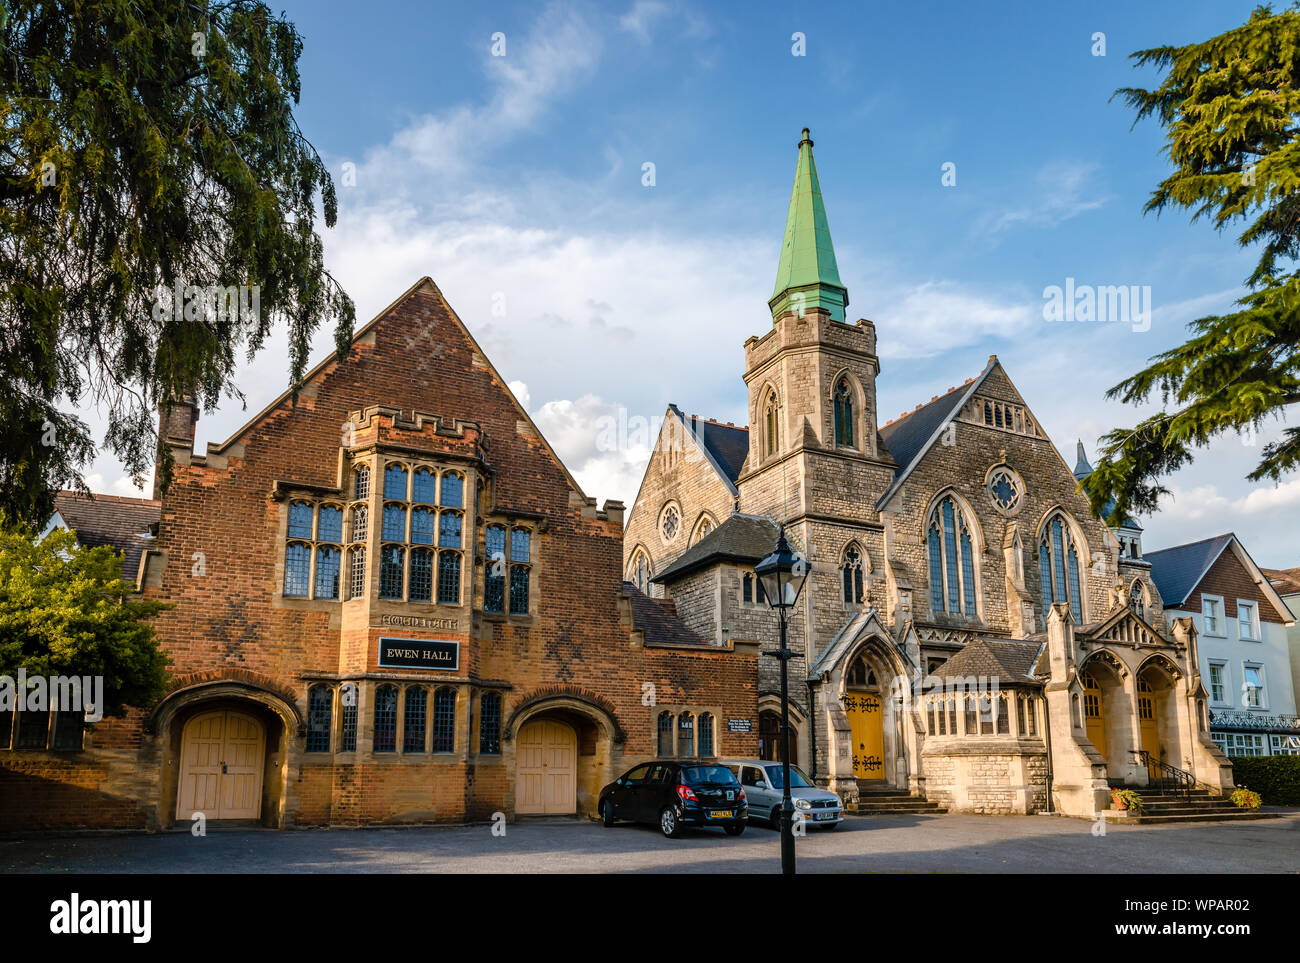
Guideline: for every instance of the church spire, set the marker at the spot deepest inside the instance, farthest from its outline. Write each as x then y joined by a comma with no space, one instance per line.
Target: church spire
807,276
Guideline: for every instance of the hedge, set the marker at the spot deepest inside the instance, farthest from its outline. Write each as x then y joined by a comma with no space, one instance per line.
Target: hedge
1275,778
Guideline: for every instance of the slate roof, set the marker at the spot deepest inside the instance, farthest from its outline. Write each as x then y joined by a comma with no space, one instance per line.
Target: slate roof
125,524
1011,663
659,620
741,538
726,446
906,436
1176,571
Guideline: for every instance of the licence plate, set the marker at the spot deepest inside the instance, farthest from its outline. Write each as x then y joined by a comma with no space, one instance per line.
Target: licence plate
721,814
829,815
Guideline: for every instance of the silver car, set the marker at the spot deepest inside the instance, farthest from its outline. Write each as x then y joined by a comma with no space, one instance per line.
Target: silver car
761,780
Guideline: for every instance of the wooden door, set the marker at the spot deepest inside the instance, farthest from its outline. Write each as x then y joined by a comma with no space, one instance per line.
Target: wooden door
1148,726
222,757
546,770
1093,717
866,728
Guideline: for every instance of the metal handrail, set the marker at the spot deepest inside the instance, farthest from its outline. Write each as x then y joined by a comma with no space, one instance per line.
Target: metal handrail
1171,778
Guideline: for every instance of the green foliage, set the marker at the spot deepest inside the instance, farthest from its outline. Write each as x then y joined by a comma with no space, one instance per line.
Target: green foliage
145,144
1228,106
65,610
1244,798
1276,778
1127,799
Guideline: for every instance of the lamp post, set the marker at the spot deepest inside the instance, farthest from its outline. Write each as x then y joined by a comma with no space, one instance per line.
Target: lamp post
782,575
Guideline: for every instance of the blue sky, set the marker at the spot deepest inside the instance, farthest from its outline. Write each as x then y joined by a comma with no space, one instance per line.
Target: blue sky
516,183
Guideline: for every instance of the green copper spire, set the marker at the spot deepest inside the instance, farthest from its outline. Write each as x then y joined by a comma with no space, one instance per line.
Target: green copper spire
807,276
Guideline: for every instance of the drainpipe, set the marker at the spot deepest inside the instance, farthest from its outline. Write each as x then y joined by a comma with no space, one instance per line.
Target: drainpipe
1047,737
812,732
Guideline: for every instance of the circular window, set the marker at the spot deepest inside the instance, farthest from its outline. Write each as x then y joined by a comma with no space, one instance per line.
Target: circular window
670,522
1006,490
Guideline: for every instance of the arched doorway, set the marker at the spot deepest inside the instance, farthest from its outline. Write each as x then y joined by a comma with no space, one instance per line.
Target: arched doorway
1094,713
547,768
1148,726
769,735
864,707
222,759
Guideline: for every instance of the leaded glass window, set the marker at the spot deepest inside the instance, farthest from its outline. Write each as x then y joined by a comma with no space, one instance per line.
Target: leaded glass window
329,524
448,578
519,589
392,563
357,572
843,413
424,488
385,719
444,720
686,734
361,482
300,516
520,540
348,717
421,575
297,569
1059,568
453,491
851,574
320,708
423,521
494,572
706,735
327,572
69,727
413,719
665,734
449,530
395,482
360,523
394,523
951,551
489,724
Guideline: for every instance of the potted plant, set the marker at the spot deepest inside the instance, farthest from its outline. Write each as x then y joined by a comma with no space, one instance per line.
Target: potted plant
1127,799
1244,798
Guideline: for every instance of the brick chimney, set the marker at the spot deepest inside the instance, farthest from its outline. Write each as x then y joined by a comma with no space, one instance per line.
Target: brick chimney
177,422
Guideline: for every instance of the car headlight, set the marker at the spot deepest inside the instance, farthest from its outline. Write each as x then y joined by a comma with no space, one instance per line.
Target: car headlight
802,804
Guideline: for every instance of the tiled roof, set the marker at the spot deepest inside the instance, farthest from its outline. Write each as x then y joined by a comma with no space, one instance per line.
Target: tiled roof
1285,580
1011,663
659,620
906,436
741,538
726,446
1176,571
125,524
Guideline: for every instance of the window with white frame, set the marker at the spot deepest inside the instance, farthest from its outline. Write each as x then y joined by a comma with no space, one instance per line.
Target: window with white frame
1239,743
1247,620
1285,745
1212,614
1219,683
1252,686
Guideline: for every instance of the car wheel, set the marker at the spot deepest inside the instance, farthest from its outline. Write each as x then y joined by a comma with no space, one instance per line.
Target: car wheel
775,818
735,829
669,823
607,813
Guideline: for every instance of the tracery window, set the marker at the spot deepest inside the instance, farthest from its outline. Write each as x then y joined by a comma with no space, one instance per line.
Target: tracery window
421,529
851,566
1135,600
952,560
771,425
1005,490
1059,571
669,522
844,413
313,553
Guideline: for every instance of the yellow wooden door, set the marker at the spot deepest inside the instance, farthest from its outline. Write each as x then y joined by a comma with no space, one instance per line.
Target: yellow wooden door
221,767
866,728
1148,727
1093,717
546,771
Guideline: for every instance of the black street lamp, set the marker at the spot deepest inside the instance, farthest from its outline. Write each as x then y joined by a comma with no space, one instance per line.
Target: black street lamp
782,575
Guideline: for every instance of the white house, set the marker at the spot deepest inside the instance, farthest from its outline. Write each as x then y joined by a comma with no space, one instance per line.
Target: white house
1242,626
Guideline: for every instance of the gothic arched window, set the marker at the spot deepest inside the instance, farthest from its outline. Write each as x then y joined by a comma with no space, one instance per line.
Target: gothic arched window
641,572
952,559
1136,602
851,575
1058,566
844,413
771,425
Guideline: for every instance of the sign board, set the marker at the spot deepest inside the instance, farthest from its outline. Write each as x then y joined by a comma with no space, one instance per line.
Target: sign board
740,725
441,654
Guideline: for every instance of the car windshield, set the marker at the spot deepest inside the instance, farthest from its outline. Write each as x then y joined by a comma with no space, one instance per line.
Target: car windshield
718,775
797,779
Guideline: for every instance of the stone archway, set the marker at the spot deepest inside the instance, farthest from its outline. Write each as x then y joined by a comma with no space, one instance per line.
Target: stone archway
260,729
1108,713
1160,722
535,739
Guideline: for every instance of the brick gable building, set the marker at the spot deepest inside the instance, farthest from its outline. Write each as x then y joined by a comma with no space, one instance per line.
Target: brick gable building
393,604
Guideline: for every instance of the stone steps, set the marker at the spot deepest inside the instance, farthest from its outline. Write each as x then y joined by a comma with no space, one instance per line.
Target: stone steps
878,803
1198,805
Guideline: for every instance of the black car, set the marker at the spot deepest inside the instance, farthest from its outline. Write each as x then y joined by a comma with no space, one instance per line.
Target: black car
676,794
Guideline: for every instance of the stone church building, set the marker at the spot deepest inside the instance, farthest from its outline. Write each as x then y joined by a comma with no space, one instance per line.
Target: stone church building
392,604
970,631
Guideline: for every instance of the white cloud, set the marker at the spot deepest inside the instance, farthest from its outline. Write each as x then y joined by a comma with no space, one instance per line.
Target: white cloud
641,17
1063,191
936,317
